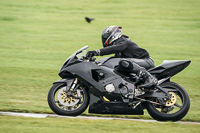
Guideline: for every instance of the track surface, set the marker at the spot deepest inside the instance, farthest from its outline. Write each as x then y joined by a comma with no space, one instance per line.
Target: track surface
84,117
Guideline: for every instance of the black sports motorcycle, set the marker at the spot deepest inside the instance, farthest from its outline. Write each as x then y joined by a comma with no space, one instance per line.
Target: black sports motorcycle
107,91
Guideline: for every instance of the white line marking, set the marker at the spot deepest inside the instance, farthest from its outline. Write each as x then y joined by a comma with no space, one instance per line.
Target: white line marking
34,115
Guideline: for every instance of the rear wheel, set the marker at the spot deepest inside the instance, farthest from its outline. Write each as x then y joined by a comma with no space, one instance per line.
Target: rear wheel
66,101
175,108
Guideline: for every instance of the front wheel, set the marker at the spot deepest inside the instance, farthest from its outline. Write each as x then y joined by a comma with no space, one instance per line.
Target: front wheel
66,101
175,108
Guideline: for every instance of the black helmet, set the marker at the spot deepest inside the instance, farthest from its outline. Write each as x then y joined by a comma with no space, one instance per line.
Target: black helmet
110,34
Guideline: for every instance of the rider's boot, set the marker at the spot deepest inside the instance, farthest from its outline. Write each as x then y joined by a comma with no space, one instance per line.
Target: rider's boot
146,80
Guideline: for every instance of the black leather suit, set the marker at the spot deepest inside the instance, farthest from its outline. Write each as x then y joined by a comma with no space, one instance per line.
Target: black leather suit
126,49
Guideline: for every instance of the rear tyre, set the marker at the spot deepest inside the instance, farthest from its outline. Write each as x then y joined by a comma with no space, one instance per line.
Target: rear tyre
175,109
64,101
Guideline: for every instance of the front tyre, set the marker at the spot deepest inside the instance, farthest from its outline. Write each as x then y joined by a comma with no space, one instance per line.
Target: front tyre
65,101
175,109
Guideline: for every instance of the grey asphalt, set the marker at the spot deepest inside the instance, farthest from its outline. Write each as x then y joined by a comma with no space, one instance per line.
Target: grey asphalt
34,115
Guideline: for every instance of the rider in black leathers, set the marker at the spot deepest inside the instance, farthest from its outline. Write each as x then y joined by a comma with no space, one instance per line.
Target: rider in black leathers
114,42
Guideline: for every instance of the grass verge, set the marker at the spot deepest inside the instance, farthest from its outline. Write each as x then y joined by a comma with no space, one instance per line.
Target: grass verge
10,124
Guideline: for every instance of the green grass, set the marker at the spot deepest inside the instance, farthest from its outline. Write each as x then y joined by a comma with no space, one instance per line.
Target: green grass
37,36
63,125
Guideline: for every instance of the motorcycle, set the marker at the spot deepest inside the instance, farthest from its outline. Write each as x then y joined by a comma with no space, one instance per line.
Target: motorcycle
97,84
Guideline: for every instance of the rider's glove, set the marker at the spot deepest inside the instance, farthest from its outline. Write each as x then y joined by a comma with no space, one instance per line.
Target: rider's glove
93,53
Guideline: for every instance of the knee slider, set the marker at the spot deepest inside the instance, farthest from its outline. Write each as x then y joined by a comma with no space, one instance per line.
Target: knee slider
126,64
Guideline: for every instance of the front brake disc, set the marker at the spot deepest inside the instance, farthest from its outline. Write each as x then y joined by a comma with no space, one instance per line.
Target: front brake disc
66,100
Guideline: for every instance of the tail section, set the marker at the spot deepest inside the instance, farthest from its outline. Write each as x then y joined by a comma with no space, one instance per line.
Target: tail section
169,68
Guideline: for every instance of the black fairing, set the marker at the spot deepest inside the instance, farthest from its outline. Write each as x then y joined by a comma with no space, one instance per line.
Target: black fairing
96,77
67,74
169,68
87,73
99,106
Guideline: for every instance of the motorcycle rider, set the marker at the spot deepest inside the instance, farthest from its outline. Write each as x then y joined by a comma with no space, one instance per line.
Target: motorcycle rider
114,42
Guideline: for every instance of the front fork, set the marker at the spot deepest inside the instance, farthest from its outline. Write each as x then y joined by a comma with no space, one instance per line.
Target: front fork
74,86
